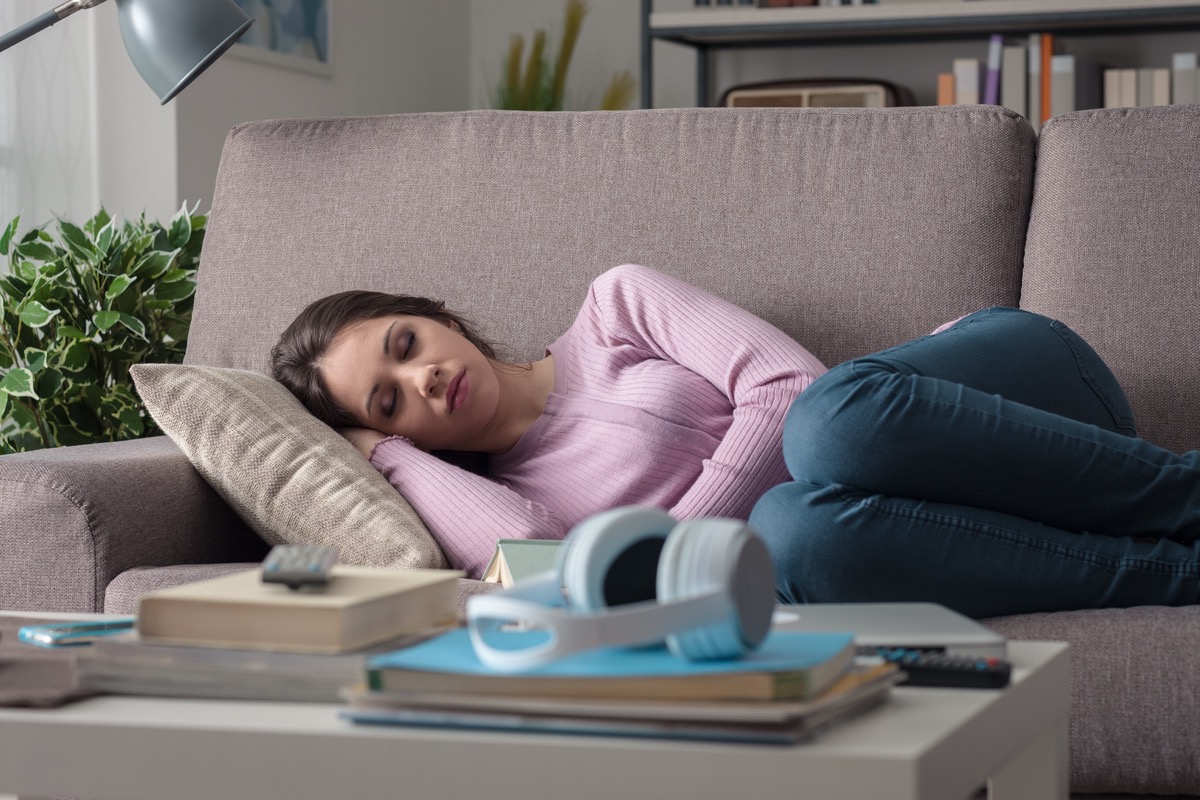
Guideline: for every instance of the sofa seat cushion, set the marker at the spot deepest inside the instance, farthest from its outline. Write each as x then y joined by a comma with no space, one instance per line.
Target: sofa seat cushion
1135,698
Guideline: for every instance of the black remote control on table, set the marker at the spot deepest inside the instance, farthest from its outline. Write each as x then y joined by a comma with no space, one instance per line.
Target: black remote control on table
927,668
299,565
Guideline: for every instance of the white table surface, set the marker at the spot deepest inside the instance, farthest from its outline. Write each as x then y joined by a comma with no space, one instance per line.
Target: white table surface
923,743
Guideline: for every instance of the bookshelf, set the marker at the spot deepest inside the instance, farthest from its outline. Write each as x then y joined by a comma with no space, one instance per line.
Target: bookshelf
708,30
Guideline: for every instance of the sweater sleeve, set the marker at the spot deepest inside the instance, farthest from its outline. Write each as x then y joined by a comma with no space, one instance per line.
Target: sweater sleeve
758,368
465,512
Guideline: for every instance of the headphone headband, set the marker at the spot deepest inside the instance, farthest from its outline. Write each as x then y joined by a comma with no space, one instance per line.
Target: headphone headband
572,632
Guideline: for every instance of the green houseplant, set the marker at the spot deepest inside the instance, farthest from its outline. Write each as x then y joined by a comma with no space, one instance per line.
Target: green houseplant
541,85
80,307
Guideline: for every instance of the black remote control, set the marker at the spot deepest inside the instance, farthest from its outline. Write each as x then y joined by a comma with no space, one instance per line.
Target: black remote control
926,668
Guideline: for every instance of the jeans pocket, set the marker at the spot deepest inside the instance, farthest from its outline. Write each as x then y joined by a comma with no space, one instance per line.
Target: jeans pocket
1099,377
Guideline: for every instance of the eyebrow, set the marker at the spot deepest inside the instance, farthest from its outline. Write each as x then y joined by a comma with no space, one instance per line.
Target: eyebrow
387,338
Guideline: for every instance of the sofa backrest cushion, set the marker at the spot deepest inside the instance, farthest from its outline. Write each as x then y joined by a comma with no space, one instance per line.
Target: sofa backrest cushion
851,229
1114,252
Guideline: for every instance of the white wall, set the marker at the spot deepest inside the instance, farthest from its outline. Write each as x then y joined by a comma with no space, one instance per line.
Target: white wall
387,57
47,160
135,136
609,42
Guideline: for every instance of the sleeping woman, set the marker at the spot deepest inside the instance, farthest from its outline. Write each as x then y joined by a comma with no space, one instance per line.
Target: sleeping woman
991,466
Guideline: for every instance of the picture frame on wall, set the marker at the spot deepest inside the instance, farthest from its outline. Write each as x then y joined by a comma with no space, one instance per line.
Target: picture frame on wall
293,34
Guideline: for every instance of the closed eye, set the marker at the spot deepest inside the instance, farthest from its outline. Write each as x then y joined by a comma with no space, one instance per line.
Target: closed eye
405,348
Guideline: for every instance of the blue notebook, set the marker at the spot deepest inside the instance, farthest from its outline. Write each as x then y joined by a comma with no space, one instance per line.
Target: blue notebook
452,652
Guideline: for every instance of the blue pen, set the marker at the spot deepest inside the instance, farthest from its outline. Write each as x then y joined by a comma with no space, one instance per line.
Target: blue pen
78,632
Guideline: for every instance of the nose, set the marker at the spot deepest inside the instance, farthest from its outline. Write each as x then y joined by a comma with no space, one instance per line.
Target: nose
427,378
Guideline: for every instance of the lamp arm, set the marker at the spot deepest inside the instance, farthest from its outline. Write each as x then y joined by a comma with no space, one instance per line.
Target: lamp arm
38,24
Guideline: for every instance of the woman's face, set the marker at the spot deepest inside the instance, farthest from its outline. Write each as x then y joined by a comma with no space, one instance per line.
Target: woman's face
413,377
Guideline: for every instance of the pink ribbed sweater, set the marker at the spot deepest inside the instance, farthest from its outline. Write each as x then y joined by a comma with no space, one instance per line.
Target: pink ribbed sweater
664,395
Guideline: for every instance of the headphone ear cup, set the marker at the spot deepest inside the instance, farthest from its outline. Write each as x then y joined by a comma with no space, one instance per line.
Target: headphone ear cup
725,555
629,539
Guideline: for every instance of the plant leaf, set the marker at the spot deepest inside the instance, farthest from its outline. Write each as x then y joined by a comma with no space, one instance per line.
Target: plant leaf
118,287
98,222
70,332
153,264
3,403
106,319
135,325
35,315
49,381
36,250
35,359
9,233
18,383
181,228
175,291
75,357
131,419
79,244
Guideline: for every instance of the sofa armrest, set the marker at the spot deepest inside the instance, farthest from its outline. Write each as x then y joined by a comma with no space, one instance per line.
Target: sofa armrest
73,518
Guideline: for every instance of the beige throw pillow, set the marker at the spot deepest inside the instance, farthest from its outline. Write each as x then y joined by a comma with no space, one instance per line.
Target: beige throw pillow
290,477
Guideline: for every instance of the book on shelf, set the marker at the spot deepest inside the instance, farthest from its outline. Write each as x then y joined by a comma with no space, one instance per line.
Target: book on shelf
517,559
1185,78
991,81
128,664
966,80
945,89
1013,78
787,666
858,688
358,607
1033,82
1047,54
1074,85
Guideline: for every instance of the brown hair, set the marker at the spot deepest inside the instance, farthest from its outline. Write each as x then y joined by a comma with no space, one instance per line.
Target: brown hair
296,357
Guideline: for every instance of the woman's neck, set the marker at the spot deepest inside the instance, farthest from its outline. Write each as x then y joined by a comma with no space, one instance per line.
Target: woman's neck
524,389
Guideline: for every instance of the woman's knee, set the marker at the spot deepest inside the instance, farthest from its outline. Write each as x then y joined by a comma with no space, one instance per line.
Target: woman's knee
815,558
831,421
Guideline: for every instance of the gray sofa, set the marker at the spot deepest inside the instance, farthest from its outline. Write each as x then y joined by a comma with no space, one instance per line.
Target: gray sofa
850,229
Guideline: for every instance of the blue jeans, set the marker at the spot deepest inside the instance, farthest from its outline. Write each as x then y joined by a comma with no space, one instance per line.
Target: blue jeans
992,468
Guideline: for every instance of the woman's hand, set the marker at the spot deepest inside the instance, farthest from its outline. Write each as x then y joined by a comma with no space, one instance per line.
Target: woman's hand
364,439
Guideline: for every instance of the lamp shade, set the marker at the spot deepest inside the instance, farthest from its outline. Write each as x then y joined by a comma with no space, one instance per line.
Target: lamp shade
170,42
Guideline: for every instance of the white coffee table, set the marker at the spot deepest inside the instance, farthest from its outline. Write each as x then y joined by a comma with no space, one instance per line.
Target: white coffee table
923,743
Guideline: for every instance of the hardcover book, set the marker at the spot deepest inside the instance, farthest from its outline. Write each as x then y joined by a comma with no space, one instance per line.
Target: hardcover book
858,689
517,559
359,607
788,666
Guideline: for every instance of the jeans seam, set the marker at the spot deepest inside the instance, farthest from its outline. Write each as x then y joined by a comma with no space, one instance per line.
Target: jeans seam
1052,431
1120,420
1140,562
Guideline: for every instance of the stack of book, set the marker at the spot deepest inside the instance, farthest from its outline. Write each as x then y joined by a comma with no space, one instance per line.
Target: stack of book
238,637
792,687
1029,77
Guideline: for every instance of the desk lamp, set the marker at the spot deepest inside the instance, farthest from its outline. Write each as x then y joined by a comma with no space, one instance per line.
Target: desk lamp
170,42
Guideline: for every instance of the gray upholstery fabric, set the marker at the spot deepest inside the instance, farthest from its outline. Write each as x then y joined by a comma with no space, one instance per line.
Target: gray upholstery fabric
73,518
1114,251
1135,696
126,589
851,229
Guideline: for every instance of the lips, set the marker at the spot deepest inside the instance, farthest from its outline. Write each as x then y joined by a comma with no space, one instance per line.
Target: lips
456,392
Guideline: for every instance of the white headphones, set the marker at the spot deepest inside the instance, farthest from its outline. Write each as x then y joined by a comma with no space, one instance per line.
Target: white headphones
633,576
